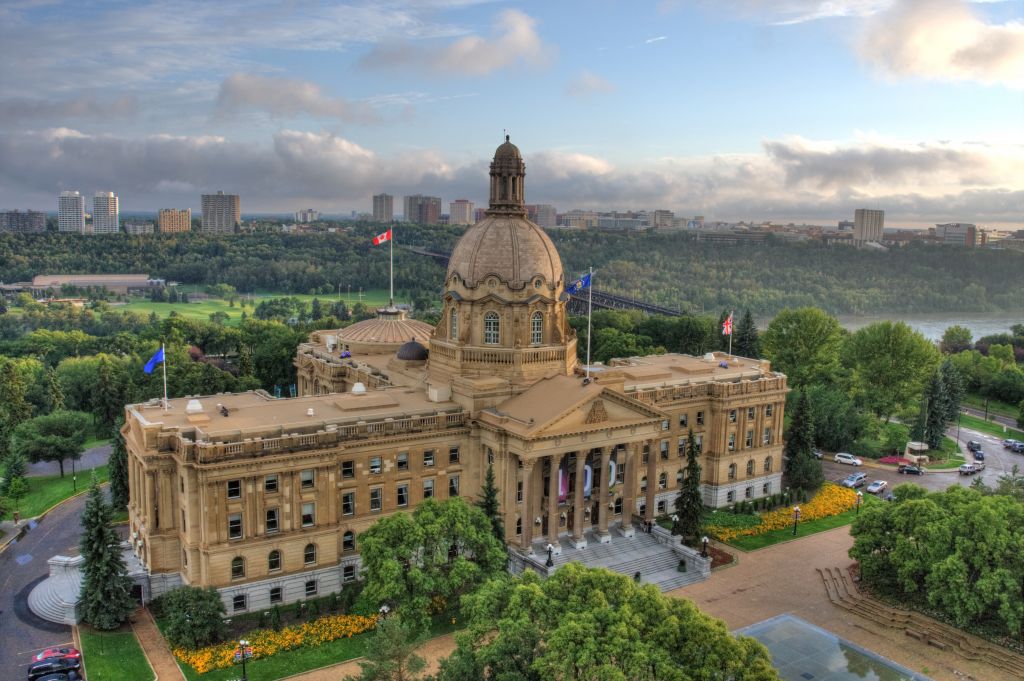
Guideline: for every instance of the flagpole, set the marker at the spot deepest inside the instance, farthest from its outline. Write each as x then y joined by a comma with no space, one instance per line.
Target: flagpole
163,351
391,266
731,327
590,310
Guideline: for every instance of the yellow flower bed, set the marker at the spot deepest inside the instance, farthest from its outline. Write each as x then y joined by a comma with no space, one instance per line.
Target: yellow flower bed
267,642
830,500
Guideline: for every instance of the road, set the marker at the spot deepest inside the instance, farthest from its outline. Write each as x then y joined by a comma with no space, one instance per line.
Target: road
980,413
91,458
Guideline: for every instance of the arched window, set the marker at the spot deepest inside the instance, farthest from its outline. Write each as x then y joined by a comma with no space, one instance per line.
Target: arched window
732,471
768,465
348,541
492,329
537,328
274,560
237,568
750,467
309,555
663,481
453,324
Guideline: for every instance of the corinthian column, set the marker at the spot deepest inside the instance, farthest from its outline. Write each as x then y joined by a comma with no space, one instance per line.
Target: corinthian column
602,526
526,541
577,509
553,518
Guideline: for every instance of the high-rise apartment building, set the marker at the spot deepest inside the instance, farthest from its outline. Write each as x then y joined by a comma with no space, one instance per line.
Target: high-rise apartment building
662,219
174,220
22,223
867,225
106,214
307,215
460,212
221,212
71,212
423,210
138,227
383,207
961,234
543,214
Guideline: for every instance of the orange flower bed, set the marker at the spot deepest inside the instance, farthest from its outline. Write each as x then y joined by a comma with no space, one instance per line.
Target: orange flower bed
830,500
267,642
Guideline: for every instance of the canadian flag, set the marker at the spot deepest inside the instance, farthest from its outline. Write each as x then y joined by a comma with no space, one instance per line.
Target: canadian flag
381,238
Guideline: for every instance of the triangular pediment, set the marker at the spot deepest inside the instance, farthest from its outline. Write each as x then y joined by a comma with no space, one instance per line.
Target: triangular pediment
607,410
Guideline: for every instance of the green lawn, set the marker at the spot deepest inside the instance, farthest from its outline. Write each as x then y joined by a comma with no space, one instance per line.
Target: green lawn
96,442
804,529
952,457
108,654
996,429
46,491
994,406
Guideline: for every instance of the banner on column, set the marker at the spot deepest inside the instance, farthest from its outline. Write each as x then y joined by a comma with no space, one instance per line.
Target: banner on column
588,480
612,471
563,481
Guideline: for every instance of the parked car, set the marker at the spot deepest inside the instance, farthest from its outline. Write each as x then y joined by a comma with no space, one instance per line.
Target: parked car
979,455
968,469
1017,447
854,480
60,676
843,457
58,652
817,453
1009,443
973,446
877,487
907,469
53,665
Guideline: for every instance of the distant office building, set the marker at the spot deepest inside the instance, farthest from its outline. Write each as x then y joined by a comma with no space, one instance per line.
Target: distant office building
543,214
383,207
71,212
479,214
423,210
845,226
579,219
115,283
662,219
613,222
307,215
22,223
460,212
138,227
867,225
221,212
960,234
106,214
174,220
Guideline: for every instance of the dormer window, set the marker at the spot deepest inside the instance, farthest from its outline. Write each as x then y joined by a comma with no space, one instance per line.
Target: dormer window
492,329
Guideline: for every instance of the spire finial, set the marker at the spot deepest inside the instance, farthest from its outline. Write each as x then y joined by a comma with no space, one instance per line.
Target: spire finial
506,138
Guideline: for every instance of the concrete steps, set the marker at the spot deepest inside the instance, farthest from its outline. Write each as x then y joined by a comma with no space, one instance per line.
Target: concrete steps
55,599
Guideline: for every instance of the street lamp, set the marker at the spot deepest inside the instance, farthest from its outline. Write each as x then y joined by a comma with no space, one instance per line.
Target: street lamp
796,518
704,541
860,498
550,562
244,652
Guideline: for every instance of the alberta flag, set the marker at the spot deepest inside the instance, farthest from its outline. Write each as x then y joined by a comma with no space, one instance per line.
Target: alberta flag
727,326
578,285
157,357
381,238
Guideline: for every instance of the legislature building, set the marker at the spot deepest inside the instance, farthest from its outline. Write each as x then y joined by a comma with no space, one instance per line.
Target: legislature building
265,498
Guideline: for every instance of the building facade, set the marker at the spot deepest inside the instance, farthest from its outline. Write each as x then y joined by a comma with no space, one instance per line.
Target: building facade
383,207
171,220
71,212
545,215
867,225
422,210
106,213
265,498
461,212
221,212
139,227
305,215
22,223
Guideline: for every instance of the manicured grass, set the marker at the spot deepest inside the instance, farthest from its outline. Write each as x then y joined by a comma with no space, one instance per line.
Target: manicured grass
994,406
950,456
108,655
96,442
804,529
995,429
46,491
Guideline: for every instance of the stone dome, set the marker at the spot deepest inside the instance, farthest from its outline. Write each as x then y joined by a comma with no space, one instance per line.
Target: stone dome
412,351
507,150
507,246
388,328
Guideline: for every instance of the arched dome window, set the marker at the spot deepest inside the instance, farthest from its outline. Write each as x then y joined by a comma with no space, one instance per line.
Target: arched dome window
453,324
537,328
492,329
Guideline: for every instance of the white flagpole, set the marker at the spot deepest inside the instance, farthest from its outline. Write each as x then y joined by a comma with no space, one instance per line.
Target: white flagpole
163,351
391,266
732,327
590,310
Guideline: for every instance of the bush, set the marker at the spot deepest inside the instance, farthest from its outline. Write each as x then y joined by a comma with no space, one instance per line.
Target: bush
193,617
275,618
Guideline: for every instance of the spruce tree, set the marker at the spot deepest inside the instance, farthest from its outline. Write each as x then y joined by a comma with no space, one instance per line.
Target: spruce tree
245,363
803,470
109,397
54,391
390,654
953,387
488,503
936,407
106,600
689,505
12,467
118,466
746,343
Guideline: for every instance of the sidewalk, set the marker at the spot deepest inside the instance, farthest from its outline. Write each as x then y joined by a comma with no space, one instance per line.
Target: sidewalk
154,647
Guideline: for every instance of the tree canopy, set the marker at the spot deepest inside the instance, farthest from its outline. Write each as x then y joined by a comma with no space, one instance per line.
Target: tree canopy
804,344
56,436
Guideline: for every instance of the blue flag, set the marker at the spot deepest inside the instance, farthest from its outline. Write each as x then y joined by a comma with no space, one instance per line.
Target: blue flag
578,285
154,360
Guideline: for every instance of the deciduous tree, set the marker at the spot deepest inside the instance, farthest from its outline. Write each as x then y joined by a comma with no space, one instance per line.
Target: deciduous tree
193,617
956,339
804,344
56,437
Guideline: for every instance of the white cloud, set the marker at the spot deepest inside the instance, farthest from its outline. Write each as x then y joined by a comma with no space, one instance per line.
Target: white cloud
588,83
655,39
286,98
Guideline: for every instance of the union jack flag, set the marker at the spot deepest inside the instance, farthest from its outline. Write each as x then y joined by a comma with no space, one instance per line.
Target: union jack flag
727,326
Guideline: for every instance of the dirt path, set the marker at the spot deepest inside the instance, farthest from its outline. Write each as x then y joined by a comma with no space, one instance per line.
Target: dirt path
154,647
432,651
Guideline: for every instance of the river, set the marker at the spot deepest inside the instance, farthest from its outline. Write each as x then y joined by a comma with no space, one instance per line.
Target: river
932,326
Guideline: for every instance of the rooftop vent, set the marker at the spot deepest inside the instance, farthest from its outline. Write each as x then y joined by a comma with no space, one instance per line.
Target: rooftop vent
358,389
194,407
709,357
309,412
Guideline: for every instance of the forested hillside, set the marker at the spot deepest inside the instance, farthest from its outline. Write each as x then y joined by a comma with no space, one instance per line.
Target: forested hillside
670,269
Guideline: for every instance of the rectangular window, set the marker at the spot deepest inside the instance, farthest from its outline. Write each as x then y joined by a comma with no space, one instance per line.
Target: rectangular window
403,461
403,495
646,455
662,506
767,436
664,450
682,446
276,595
308,514
270,484
376,498
620,473
184,525
428,489
348,469
768,409
730,497
348,573
664,424
684,420
749,439
700,418
310,587
750,492
453,455
766,488
235,526
428,458
271,520
732,416
181,482
750,413
519,492
732,441
348,542
308,478
375,465
234,489
453,486
699,437
238,603
348,503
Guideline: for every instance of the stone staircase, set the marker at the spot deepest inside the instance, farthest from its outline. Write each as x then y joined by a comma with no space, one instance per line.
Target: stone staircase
656,562
55,599
915,625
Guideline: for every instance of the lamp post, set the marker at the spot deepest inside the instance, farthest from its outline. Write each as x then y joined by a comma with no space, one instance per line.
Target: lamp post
550,562
796,518
860,498
704,551
243,652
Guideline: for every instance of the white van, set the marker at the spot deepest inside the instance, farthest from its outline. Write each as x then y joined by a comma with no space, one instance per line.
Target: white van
843,457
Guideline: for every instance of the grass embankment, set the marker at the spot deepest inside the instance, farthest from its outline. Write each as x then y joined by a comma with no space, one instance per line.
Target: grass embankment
990,427
95,442
108,655
48,490
804,529
949,456
995,407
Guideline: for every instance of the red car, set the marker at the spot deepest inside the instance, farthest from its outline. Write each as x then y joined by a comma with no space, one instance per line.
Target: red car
71,653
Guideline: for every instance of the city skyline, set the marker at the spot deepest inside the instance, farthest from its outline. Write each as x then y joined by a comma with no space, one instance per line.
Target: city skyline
795,111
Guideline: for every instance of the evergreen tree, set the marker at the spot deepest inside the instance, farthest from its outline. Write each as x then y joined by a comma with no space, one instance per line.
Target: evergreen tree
953,387
936,408
489,505
390,654
689,505
746,343
245,365
316,310
54,391
13,467
108,398
803,470
106,589
14,408
118,466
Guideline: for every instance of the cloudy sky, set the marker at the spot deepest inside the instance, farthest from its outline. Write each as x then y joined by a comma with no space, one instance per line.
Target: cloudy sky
734,109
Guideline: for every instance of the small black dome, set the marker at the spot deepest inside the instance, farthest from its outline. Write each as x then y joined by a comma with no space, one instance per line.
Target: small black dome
413,351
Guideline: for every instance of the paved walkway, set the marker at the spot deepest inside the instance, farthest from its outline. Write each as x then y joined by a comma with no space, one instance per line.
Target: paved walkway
155,647
432,651
782,579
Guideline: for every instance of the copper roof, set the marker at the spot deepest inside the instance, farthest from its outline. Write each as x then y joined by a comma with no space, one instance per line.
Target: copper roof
388,328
